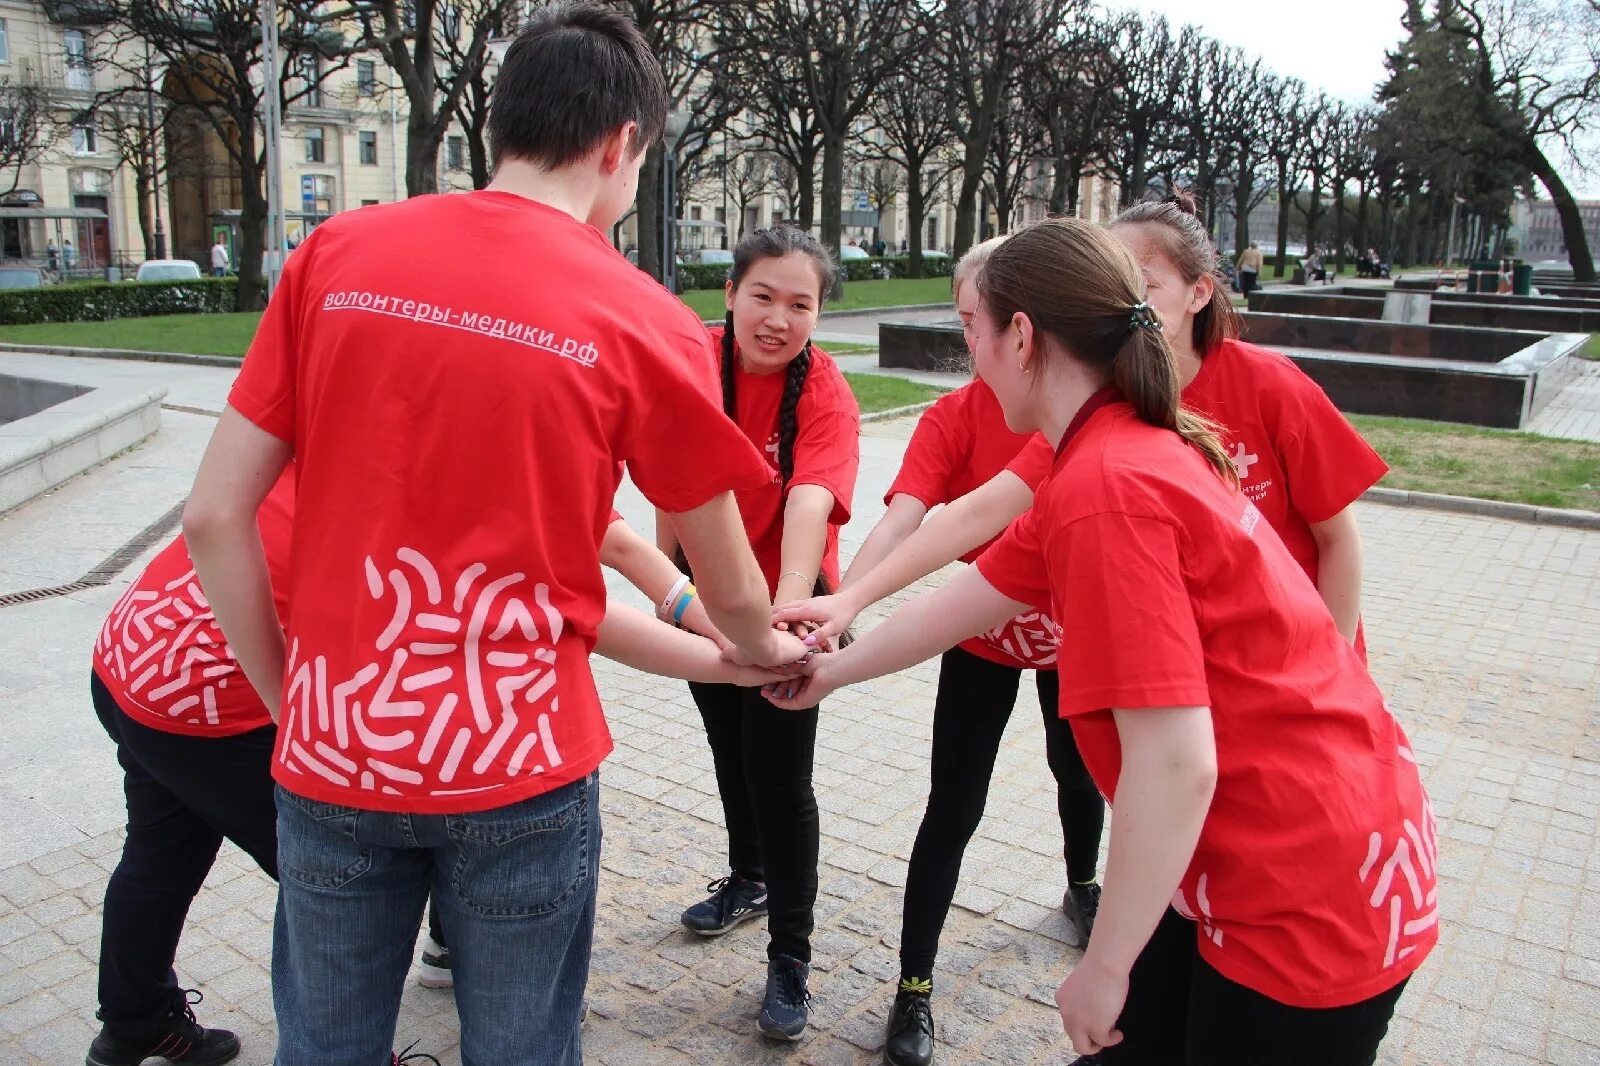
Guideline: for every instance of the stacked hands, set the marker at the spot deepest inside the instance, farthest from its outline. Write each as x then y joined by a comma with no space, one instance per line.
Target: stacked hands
818,623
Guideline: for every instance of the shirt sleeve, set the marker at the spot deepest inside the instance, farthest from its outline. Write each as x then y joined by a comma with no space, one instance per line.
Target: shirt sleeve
683,451
1032,464
265,390
827,451
1128,633
1014,564
1328,463
930,459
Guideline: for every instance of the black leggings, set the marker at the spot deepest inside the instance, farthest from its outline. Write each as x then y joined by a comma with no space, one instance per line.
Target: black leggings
184,795
763,757
1181,1012
970,713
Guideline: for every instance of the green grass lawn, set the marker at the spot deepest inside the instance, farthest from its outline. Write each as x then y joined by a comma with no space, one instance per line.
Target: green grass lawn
1592,349
877,392
1490,464
191,334
858,295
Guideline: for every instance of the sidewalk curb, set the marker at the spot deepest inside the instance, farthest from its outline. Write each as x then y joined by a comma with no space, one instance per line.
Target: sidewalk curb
898,412
1515,512
132,355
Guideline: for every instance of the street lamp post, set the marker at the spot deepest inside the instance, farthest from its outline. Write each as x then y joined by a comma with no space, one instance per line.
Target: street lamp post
159,238
677,124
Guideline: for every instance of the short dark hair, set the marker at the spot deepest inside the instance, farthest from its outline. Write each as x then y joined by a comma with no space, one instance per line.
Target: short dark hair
577,72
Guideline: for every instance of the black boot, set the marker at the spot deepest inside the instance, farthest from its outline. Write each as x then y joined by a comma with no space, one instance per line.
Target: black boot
908,1038
176,1038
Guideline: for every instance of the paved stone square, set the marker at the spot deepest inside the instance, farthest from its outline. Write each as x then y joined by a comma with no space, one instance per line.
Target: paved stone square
1483,634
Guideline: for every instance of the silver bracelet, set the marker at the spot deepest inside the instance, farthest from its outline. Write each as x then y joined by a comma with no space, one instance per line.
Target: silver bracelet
798,574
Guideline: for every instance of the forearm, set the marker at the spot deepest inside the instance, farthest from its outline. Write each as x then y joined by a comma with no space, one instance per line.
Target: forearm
925,627
652,573
805,538
1339,571
904,515
1162,795
232,567
965,524
732,589
636,639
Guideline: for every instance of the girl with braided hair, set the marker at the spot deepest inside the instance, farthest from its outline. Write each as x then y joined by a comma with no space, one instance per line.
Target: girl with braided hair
1271,880
792,401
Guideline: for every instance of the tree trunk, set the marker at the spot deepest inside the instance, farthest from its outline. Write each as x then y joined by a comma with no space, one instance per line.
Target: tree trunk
1413,229
832,188
1338,231
422,153
478,153
252,240
648,204
1361,219
916,212
1243,186
1578,252
808,191
1060,188
1283,218
967,202
142,189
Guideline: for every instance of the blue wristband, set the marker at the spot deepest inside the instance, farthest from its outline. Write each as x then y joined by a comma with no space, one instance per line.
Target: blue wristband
681,606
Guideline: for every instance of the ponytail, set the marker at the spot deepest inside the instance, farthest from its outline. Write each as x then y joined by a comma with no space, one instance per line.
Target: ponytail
1144,372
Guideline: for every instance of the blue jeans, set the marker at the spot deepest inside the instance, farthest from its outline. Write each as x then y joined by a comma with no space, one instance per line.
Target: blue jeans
516,888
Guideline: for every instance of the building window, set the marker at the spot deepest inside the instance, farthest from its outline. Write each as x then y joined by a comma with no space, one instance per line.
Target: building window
722,215
311,81
455,153
5,43
76,46
83,139
366,77
695,213
316,194
369,148
316,152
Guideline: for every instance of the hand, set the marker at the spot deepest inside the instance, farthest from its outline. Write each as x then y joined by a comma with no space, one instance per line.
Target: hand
1090,1001
780,650
803,693
761,677
828,616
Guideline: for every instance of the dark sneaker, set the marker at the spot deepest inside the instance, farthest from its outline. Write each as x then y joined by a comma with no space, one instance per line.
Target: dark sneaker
1080,904
401,1058
785,1009
179,1038
733,899
435,966
908,1038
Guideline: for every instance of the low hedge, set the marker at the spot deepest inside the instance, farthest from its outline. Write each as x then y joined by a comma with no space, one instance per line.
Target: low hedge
712,275
101,301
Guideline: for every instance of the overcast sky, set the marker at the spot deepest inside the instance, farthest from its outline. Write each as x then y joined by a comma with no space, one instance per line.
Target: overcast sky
1336,46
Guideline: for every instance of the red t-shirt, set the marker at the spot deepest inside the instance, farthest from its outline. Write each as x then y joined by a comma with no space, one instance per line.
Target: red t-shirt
827,452
1299,460
459,376
160,652
1314,880
959,444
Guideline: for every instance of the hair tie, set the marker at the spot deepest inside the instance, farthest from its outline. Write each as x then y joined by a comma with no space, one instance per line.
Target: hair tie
1143,316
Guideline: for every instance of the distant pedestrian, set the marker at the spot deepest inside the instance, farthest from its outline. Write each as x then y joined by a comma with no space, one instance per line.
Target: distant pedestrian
69,255
219,259
54,255
1250,261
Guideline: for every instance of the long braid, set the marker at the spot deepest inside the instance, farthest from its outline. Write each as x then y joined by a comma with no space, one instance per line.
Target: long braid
730,399
789,411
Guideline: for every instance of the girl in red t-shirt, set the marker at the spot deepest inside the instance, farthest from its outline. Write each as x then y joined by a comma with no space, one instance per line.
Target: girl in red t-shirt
960,443
1271,881
792,400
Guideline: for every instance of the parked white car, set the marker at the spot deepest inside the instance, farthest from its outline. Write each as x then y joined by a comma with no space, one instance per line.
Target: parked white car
168,270
853,251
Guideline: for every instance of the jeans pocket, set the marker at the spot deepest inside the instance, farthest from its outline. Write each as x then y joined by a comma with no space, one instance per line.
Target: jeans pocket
528,859
317,842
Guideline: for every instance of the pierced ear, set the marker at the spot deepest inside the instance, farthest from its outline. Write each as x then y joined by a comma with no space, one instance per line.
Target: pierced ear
1025,349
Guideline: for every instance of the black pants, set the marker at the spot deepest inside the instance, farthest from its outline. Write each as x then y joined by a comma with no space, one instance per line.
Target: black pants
1182,1012
184,794
970,713
1247,282
763,757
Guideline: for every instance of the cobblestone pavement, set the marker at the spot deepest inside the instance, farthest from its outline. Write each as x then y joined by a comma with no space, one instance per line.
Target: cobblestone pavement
1482,633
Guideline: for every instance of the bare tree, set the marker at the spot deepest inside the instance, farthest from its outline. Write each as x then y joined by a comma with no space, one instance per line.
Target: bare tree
1285,147
131,125
984,44
752,174
1151,80
914,125
1352,162
1324,127
1078,82
786,125
28,127
1538,80
1243,128
846,49
1013,151
211,50
882,181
